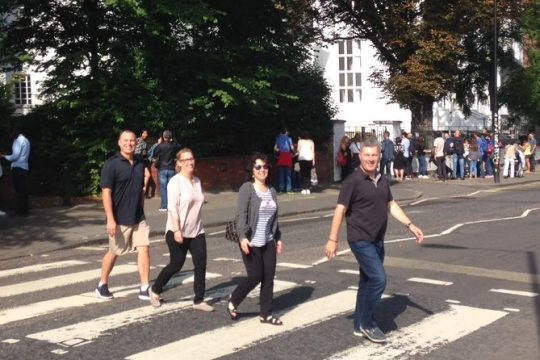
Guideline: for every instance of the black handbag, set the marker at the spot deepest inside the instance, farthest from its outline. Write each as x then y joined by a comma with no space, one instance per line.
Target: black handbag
231,233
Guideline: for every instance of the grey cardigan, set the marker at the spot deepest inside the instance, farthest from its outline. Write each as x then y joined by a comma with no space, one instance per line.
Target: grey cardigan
246,220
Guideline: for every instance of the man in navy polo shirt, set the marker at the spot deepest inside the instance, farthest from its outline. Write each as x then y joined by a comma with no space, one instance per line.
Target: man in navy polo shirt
122,183
365,200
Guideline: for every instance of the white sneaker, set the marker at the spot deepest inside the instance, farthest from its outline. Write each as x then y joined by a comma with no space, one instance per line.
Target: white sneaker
308,192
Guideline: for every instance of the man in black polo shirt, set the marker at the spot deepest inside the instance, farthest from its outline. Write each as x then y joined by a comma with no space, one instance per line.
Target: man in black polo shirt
122,183
365,200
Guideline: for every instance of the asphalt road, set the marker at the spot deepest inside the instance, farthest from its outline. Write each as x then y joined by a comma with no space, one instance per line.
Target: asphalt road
470,292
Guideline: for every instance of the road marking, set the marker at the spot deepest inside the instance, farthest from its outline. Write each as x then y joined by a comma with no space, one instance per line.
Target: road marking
460,269
430,281
11,341
349,271
59,351
226,259
228,339
61,280
514,292
41,267
91,248
217,233
427,335
299,219
293,266
88,331
453,301
74,301
325,259
511,309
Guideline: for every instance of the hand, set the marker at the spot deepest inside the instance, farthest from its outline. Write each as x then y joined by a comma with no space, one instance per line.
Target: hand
245,245
178,237
111,227
279,247
331,249
417,233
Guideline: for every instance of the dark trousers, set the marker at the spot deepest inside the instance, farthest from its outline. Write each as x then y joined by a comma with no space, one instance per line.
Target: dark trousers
441,167
385,168
408,166
197,247
20,183
261,267
305,173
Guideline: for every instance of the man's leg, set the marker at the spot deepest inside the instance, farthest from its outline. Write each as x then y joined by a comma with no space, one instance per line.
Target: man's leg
20,178
163,188
372,283
107,265
143,264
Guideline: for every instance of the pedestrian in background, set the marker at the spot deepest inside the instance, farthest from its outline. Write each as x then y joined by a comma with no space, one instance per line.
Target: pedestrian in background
344,156
439,145
184,231
532,144
122,185
354,149
407,158
420,147
387,156
509,159
399,160
284,149
458,160
306,158
257,224
364,201
20,167
153,185
474,155
165,154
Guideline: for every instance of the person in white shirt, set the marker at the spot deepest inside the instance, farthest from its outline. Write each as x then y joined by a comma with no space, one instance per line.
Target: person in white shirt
184,231
306,159
438,145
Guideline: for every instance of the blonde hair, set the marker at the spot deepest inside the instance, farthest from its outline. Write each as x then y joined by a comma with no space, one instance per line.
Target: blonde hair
177,166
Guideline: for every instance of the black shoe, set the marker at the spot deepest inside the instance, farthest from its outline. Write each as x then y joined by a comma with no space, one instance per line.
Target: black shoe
374,334
103,292
144,295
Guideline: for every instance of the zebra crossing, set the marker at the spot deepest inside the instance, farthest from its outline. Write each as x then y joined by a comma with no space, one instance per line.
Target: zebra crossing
56,331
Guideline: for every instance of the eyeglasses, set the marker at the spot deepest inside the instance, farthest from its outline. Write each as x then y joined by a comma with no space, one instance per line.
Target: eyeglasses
259,167
188,159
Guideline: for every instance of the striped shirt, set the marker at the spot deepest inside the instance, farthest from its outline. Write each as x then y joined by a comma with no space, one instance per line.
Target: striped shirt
267,211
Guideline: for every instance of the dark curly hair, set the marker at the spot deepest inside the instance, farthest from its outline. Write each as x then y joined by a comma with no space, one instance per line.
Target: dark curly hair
254,157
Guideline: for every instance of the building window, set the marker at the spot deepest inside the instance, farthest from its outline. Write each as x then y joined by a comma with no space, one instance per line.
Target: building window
350,76
23,90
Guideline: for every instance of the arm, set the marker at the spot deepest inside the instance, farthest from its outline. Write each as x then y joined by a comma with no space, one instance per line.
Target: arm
16,150
106,197
242,206
398,214
173,216
332,243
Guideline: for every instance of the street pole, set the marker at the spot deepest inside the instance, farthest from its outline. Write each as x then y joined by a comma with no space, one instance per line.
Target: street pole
494,106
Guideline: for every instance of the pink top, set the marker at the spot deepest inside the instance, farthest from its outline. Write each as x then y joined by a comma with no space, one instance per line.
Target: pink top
184,201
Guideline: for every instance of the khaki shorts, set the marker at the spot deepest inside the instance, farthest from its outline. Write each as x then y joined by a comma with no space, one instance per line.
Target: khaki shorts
128,238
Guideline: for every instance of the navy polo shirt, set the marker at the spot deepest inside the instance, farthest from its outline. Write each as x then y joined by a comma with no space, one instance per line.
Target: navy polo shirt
366,201
126,181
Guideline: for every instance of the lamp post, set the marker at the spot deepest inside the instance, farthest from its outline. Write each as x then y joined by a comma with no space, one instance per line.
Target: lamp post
494,107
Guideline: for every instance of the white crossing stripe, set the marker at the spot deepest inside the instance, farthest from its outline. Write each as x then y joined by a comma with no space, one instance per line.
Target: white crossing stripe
228,339
87,331
226,259
61,280
40,267
425,336
10,341
430,281
293,266
349,271
55,305
514,292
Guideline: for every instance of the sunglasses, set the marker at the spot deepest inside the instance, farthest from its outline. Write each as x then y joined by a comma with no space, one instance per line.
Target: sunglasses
259,167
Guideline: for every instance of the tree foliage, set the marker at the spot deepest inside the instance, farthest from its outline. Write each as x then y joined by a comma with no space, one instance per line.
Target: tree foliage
430,48
224,76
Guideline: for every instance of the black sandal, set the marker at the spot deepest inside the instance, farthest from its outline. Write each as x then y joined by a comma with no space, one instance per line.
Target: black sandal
231,310
271,320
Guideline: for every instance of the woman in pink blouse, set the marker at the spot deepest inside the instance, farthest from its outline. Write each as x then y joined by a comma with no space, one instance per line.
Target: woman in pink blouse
184,231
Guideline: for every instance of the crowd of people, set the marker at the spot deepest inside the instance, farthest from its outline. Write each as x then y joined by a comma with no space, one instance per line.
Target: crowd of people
454,155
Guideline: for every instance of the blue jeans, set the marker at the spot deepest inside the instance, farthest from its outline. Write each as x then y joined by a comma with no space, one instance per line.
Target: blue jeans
422,165
489,165
472,167
164,177
455,160
370,257
385,168
284,178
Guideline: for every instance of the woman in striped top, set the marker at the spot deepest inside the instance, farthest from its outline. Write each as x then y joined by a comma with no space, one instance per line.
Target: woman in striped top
259,233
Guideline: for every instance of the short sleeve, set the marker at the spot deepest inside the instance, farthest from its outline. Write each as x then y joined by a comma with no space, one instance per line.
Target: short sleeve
107,175
346,192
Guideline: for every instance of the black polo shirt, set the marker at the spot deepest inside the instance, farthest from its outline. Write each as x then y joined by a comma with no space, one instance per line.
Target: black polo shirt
126,182
366,201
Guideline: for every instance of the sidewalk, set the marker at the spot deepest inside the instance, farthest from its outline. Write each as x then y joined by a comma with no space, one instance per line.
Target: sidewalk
47,230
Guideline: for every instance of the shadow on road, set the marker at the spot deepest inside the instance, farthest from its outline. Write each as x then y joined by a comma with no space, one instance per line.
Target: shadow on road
533,271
